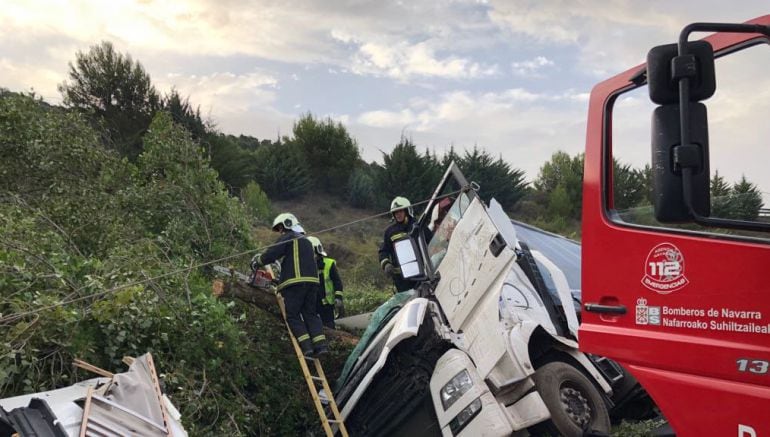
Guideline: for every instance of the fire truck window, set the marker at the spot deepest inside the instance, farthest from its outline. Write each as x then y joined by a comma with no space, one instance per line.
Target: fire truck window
739,142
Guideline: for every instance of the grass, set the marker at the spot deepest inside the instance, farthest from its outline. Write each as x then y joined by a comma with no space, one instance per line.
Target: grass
641,428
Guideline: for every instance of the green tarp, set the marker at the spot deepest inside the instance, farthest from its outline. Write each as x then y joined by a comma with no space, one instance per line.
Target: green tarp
380,318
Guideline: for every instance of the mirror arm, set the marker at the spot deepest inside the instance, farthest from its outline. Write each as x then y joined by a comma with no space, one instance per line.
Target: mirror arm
710,221
684,122
684,79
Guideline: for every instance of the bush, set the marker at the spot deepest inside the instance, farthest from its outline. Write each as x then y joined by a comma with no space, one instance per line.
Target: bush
256,201
282,171
362,189
95,263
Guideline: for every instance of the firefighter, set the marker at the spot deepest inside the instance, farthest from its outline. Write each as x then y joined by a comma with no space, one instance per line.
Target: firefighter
403,217
330,294
297,284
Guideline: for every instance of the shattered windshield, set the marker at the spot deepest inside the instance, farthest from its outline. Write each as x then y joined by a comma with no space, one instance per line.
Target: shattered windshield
446,215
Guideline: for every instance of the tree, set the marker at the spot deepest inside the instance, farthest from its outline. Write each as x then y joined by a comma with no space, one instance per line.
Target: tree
628,186
256,201
495,177
183,114
362,188
406,173
746,200
330,149
282,170
567,172
115,89
236,166
720,196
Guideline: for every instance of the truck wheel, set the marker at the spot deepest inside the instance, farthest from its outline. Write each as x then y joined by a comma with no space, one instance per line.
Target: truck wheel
576,406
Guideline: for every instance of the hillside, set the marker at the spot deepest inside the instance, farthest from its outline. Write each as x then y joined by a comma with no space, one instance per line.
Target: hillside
354,246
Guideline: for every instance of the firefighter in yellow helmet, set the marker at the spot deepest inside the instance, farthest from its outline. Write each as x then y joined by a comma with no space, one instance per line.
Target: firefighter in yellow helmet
330,295
298,283
403,217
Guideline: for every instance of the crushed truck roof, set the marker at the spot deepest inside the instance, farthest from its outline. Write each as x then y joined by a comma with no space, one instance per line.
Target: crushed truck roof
122,404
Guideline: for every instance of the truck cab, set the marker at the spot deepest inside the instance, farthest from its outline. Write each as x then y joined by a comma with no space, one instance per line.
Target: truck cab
676,290
486,344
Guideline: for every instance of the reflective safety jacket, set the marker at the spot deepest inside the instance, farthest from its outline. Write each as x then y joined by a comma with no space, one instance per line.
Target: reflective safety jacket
297,259
331,283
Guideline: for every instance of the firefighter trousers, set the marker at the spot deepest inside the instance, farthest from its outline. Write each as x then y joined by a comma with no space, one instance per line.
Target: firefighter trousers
327,314
300,301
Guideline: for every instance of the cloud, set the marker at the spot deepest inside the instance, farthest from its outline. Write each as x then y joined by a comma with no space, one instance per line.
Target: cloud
403,61
532,67
21,76
222,94
378,38
523,126
613,35
392,119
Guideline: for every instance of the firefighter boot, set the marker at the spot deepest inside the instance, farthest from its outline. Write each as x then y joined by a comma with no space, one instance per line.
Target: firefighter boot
319,345
307,348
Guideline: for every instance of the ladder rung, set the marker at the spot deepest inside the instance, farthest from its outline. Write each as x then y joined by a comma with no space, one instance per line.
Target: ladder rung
333,421
317,378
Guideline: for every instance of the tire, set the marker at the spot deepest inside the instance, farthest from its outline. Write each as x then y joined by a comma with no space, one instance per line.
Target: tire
576,406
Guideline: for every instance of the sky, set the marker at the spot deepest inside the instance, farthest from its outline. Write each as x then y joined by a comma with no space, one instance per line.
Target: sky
512,77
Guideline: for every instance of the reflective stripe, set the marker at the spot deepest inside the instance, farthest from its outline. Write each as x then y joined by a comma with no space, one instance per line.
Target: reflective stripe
338,293
291,281
318,338
304,337
398,236
297,274
383,262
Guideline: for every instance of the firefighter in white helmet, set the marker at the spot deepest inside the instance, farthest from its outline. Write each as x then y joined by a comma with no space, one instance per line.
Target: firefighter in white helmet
297,284
330,294
403,217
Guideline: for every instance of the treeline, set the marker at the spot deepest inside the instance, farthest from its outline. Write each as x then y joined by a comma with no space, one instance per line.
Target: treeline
117,95
556,199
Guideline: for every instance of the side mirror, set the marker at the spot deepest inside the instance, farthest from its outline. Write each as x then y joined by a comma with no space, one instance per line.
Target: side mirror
680,152
665,67
679,76
411,264
668,157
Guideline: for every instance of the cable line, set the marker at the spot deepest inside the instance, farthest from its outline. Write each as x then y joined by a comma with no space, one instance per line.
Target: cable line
15,316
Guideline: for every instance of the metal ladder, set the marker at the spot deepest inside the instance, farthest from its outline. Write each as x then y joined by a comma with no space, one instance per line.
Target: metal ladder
312,380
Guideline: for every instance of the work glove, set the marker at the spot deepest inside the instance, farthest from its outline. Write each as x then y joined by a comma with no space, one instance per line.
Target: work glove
254,264
339,307
388,269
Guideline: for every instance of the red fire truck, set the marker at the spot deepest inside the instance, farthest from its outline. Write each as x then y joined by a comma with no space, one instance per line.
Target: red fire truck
679,294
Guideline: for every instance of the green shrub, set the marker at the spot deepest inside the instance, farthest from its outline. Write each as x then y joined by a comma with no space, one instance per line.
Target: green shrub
257,202
282,171
362,189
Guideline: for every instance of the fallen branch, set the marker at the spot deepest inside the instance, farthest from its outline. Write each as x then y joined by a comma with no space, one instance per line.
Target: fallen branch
265,300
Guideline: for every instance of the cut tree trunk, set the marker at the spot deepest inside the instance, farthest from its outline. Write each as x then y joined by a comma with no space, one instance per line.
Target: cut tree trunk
265,299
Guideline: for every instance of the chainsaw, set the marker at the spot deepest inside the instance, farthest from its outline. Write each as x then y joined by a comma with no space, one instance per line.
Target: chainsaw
260,278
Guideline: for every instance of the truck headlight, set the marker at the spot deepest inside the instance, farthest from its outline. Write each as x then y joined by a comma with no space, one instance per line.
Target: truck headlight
455,388
465,416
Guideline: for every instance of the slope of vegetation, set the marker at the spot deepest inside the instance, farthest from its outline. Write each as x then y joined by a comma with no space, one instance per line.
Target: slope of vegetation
89,243
114,206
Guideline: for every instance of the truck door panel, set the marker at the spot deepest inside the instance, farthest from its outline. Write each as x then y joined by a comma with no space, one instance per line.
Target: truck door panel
696,327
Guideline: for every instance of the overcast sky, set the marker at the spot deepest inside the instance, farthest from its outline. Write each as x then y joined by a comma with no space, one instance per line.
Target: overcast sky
510,76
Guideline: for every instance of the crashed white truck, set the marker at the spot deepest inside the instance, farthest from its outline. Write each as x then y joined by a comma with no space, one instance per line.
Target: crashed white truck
485,345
